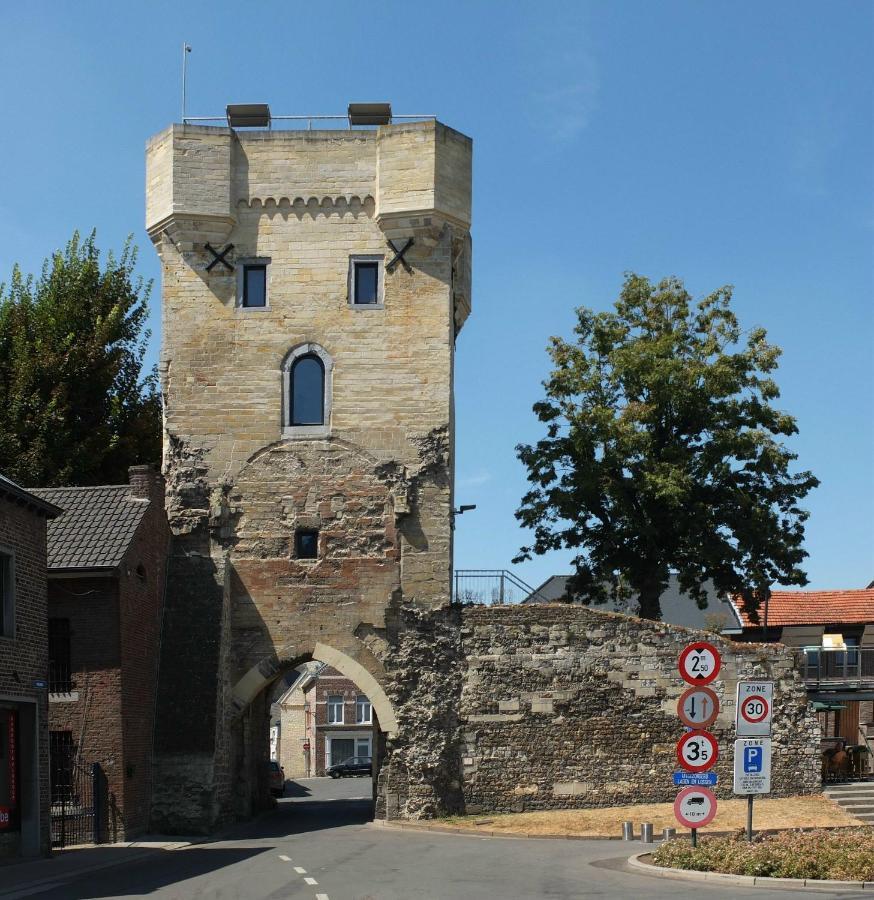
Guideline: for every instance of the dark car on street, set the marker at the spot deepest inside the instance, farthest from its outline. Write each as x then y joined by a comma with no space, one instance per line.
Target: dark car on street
355,765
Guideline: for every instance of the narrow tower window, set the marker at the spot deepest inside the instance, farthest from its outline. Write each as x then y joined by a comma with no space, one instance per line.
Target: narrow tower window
365,281
254,285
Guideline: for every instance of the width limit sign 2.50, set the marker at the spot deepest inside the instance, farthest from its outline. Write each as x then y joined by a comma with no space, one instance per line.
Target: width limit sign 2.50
699,663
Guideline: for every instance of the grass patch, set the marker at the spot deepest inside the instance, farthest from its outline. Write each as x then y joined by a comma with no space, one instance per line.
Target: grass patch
845,855
815,811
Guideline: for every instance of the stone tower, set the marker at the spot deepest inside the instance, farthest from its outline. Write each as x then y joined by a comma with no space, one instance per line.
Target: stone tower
308,447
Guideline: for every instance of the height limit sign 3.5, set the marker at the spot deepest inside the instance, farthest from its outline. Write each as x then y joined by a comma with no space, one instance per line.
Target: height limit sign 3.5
700,663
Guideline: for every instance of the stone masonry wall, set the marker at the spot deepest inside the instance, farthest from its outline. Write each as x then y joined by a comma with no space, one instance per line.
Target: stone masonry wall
570,707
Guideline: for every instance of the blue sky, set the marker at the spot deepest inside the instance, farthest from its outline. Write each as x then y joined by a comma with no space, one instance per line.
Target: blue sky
720,142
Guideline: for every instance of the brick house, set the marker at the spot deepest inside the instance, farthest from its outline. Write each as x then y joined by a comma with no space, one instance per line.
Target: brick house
832,635
106,568
325,719
24,751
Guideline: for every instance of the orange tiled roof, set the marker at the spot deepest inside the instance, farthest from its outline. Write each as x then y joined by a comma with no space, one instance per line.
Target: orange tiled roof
816,608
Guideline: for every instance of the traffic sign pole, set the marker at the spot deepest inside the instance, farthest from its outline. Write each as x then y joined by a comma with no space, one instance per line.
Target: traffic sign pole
750,818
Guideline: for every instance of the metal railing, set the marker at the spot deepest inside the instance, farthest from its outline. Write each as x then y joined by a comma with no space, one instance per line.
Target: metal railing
853,667
490,587
298,122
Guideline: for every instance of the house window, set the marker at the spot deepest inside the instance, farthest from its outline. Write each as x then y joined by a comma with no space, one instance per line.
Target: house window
306,392
365,281
306,543
59,656
252,283
362,747
7,594
362,711
335,709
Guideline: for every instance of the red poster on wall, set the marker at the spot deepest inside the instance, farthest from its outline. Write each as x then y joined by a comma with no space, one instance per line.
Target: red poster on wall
8,769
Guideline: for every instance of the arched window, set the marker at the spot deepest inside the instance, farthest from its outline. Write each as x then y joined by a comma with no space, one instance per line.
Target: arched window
306,392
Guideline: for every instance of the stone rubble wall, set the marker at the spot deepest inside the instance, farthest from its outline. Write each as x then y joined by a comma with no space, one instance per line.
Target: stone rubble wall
571,707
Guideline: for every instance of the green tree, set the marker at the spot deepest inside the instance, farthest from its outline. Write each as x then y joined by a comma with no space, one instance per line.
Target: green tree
662,452
74,405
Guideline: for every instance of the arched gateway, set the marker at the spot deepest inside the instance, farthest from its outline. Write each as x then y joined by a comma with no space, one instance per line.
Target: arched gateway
313,287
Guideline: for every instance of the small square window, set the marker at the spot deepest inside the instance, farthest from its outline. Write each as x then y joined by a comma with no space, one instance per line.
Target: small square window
306,543
254,285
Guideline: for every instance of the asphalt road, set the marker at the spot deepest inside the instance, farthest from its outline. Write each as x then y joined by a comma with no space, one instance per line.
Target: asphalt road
318,845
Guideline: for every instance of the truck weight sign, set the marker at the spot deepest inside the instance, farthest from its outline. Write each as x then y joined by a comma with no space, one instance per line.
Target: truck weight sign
755,702
698,707
697,751
695,807
700,663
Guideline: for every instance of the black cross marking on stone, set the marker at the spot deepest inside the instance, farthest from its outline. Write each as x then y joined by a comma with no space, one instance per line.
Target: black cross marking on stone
219,257
399,256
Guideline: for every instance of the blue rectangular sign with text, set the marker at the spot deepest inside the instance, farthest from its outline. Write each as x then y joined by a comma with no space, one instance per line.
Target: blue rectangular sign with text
695,779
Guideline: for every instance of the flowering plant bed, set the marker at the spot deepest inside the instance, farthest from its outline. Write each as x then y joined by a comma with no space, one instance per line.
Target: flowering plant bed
846,854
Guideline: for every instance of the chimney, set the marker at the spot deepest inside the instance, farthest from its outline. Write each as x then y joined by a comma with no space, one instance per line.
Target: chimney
146,484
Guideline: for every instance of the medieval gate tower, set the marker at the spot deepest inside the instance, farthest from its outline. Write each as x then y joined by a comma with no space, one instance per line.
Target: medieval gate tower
314,283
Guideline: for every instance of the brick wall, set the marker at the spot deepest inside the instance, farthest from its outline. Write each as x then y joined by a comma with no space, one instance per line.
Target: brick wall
24,659
92,712
141,597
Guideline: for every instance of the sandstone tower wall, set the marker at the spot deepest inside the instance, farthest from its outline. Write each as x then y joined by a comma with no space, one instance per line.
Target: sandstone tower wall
375,481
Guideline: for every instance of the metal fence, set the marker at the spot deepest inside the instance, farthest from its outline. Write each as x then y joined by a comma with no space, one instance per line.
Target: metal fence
79,799
852,667
491,587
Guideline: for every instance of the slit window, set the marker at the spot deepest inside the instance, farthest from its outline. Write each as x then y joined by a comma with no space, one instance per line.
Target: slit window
307,391
254,286
7,594
306,543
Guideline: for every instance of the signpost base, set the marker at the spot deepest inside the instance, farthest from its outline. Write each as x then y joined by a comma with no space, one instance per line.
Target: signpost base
750,818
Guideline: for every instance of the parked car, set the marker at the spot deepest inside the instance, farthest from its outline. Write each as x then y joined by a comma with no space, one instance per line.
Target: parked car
277,779
355,765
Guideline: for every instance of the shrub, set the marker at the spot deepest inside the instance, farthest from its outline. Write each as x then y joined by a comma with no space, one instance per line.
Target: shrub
845,854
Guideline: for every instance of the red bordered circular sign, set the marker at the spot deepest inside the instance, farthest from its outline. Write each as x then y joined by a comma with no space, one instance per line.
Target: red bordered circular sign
700,663
695,807
698,707
754,709
697,751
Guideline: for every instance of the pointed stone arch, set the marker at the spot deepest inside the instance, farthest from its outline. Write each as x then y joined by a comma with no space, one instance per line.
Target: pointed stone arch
259,676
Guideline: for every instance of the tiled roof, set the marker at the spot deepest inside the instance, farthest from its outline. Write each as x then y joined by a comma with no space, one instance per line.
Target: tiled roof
9,488
816,608
96,528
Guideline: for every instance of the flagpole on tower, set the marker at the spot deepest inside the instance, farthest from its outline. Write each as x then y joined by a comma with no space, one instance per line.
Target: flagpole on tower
186,49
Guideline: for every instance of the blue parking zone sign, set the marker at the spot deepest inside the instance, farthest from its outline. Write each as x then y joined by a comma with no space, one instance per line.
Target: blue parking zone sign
752,766
753,759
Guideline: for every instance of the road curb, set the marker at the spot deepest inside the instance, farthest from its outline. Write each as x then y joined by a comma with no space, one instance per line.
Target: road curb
635,861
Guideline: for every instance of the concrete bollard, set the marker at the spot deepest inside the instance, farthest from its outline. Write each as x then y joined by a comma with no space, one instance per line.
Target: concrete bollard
669,834
628,831
646,832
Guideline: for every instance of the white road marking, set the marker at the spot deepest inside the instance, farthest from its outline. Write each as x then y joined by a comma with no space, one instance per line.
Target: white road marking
321,897
310,881
284,858
300,871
